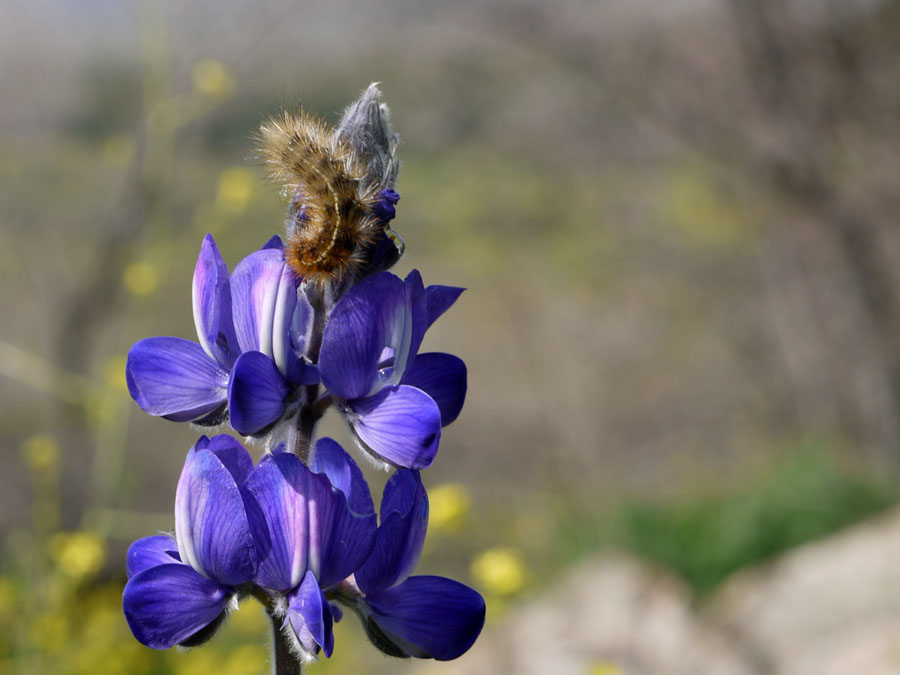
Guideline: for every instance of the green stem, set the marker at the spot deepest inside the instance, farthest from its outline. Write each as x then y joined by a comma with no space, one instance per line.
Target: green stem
283,661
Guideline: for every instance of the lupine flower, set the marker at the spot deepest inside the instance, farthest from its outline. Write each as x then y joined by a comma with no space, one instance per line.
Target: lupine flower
180,588
251,327
315,538
278,525
394,400
421,616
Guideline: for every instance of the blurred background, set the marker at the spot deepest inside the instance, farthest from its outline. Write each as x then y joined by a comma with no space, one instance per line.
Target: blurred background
677,221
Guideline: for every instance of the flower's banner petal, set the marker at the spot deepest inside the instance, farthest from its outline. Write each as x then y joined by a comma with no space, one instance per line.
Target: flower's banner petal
297,506
309,616
150,552
211,296
308,524
345,475
256,393
348,544
174,378
399,541
211,524
440,299
417,304
254,294
427,617
401,426
167,604
443,378
368,318
274,242
231,453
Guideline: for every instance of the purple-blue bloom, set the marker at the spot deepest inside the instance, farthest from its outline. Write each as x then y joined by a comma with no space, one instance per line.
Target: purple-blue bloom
251,326
315,538
395,400
421,616
279,525
179,588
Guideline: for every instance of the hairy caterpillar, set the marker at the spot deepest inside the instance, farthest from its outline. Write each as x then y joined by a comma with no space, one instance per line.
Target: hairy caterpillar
331,216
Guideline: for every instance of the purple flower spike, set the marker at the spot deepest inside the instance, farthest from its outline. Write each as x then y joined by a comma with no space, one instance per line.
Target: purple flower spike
368,361
179,589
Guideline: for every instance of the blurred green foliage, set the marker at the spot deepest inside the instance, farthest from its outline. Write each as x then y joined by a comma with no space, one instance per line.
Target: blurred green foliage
705,539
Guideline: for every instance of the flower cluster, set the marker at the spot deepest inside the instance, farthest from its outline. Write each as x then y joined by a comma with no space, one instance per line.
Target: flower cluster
275,349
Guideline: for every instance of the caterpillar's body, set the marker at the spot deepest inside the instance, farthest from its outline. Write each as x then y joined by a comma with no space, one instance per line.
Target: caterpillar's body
330,217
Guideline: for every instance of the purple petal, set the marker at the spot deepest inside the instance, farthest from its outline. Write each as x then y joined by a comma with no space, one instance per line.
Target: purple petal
256,393
167,604
332,460
428,617
309,616
369,317
297,506
212,304
417,318
174,378
443,378
401,426
254,294
231,453
274,242
385,208
440,299
349,543
150,552
211,524
399,541
308,524
282,322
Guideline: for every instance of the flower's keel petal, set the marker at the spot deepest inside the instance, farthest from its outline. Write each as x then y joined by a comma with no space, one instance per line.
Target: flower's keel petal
332,460
256,393
174,378
369,318
401,426
399,541
425,617
211,524
440,299
150,552
443,378
309,617
211,296
167,604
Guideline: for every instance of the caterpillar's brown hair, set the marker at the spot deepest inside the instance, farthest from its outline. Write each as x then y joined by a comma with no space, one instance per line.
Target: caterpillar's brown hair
330,217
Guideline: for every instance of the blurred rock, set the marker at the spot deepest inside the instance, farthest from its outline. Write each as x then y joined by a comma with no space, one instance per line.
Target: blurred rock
828,608
611,614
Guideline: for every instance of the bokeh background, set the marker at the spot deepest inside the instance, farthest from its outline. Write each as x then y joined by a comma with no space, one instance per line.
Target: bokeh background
678,225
